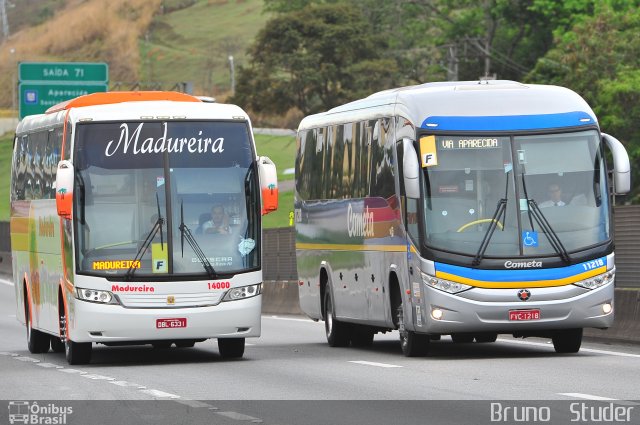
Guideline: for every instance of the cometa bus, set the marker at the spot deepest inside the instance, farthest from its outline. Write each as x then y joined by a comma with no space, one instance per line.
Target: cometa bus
468,209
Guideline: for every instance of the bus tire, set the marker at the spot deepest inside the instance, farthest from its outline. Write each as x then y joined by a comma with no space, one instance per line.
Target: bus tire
37,342
77,352
411,343
483,337
338,333
462,338
231,348
57,344
567,340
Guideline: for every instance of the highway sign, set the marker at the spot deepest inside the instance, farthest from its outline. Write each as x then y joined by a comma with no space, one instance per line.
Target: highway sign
37,97
63,71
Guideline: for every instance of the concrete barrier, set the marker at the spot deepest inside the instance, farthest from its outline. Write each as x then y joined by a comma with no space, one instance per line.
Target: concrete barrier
280,297
626,326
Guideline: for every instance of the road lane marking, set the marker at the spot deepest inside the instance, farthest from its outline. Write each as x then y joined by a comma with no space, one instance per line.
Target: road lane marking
26,359
159,394
128,384
587,396
72,371
588,350
290,319
97,377
7,282
49,365
385,365
600,398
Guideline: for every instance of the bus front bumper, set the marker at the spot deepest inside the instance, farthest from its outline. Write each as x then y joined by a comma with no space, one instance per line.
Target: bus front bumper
564,308
92,322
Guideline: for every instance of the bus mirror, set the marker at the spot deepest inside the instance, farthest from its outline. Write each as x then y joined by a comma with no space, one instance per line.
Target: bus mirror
410,169
64,188
268,184
621,166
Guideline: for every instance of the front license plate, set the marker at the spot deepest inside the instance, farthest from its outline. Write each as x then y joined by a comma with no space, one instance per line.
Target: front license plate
518,315
171,323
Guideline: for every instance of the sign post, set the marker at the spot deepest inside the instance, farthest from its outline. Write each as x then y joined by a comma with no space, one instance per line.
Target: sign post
45,84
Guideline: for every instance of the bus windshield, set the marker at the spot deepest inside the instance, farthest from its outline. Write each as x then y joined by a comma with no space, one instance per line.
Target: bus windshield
189,187
552,189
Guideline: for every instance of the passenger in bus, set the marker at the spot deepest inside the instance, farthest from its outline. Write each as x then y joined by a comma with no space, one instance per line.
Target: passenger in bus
219,222
555,197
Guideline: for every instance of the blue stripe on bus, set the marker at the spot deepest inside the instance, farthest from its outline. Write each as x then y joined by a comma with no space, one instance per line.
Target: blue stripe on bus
520,274
508,122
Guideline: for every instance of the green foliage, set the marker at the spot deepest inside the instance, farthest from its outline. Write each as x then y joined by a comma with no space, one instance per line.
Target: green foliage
6,151
599,58
310,59
280,217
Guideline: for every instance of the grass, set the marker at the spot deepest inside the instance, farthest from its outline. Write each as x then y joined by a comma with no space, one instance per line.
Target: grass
6,150
281,150
194,43
280,218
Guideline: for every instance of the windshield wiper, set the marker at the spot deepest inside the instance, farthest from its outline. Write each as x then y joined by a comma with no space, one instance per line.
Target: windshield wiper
185,233
534,211
544,224
157,226
500,212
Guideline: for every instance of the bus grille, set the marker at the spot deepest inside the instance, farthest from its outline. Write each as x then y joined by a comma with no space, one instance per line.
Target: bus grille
170,300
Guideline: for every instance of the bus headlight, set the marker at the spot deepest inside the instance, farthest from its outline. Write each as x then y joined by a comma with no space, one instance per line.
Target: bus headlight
444,285
96,296
242,292
597,281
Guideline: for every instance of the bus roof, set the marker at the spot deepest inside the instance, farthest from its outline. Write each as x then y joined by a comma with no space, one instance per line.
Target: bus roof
121,97
467,106
114,106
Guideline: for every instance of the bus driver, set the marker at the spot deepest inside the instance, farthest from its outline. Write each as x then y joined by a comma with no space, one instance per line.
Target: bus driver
219,222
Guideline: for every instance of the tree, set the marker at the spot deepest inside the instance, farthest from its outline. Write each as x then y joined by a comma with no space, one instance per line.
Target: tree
314,59
599,59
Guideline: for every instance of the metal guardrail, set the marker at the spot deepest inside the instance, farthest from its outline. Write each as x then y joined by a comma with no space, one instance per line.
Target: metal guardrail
279,253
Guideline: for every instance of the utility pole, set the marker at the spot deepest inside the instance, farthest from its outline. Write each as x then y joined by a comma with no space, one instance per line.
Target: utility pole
3,17
233,76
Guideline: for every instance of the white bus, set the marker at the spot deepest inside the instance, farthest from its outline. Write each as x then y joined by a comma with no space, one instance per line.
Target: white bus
136,219
467,209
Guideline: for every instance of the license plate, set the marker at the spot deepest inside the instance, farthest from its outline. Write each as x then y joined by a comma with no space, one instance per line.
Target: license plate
171,323
518,315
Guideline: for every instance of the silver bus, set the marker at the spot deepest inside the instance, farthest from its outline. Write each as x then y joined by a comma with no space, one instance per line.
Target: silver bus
468,209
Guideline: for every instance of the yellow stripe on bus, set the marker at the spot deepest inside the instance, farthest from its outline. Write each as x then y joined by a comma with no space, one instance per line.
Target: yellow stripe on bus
20,225
350,247
524,284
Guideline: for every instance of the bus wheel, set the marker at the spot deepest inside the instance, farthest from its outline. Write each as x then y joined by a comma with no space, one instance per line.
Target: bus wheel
38,342
75,352
337,332
567,340
412,344
231,348
486,337
462,338
57,345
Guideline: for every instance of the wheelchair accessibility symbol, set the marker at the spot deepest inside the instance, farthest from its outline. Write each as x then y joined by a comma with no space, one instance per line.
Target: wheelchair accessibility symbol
530,239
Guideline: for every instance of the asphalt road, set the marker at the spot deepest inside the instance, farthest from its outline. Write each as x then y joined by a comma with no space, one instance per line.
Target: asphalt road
290,375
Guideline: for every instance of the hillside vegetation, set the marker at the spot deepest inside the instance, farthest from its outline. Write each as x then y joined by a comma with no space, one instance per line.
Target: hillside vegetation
164,41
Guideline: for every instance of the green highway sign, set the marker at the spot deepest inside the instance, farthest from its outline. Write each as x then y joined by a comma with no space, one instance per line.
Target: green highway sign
63,71
37,97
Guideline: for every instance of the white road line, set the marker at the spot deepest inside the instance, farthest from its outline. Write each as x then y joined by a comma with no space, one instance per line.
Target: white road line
587,396
290,319
385,365
80,372
587,350
97,377
599,398
6,282
26,359
128,384
159,394
49,365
